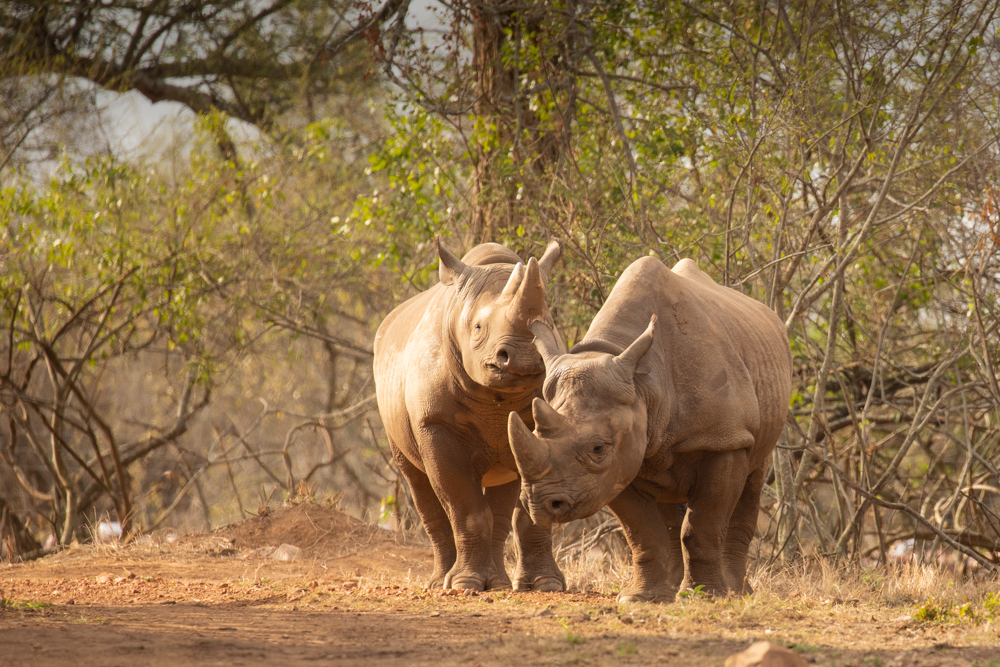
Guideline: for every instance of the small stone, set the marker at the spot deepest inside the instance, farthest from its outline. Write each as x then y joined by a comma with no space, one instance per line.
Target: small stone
543,612
71,601
104,578
765,654
435,613
627,620
286,552
350,585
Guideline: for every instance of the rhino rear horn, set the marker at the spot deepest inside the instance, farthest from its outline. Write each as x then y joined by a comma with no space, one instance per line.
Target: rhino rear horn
530,453
630,360
529,301
553,251
516,276
451,268
548,422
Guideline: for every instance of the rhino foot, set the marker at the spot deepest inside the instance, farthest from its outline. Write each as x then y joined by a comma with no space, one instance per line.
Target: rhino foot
542,583
657,596
472,581
436,580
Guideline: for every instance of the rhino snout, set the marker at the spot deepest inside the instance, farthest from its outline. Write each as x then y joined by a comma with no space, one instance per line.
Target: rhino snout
552,509
503,358
558,507
509,359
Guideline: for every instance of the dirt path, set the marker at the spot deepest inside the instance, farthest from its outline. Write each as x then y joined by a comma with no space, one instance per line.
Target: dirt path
353,598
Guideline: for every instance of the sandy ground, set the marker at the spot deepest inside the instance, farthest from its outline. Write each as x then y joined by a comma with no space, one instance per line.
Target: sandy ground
354,597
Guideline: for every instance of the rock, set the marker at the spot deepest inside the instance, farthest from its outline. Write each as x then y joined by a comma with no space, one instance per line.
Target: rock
765,654
543,612
286,552
104,578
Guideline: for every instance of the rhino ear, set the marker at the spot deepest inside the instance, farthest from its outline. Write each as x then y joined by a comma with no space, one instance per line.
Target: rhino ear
632,360
553,251
451,268
530,453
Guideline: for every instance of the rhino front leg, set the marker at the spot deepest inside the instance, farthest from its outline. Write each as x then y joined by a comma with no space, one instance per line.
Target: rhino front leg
673,518
536,567
741,530
649,540
721,479
456,484
502,500
433,516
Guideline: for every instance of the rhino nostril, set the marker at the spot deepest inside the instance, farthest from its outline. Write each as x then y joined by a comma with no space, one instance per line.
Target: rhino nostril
503,358
557,505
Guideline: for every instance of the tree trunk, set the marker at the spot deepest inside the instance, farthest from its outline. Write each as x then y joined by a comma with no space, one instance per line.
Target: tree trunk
492,210
16,543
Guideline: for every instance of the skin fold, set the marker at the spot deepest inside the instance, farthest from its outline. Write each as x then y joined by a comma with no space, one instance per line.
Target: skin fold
450,365
667,412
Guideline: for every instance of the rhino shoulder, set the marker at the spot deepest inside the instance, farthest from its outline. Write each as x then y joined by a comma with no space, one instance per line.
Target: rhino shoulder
688,268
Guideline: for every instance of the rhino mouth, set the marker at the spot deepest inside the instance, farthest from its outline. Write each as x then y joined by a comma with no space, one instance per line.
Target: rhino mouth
522,372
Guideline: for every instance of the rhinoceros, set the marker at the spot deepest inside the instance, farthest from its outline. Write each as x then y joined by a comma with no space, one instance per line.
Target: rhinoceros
667,412
450,364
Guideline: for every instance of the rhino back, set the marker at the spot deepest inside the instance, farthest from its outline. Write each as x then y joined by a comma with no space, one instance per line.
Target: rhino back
720,366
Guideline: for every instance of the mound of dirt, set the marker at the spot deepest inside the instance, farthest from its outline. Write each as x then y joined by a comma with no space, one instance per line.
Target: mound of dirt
340,541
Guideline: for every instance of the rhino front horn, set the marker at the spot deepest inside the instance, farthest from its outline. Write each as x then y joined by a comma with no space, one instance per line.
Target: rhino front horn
545,342
530,453
529,301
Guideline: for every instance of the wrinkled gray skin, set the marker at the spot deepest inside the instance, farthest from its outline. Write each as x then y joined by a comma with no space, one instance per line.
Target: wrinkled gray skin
667,412
450,365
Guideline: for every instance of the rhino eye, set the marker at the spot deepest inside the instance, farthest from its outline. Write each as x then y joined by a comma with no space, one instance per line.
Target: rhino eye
598,449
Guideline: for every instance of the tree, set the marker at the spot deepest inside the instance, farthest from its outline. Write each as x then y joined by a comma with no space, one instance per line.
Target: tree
252,61
833,161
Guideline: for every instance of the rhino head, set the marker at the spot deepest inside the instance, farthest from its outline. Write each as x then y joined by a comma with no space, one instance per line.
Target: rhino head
494,308
590,437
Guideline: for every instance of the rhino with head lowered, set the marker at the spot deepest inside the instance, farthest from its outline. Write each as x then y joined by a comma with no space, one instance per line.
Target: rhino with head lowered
450,364
667,412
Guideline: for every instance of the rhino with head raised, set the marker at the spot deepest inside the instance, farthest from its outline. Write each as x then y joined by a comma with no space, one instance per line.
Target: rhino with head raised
450,364
667,412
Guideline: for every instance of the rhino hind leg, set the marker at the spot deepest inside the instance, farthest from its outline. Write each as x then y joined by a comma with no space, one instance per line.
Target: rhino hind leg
649,539
502,500
536,566
741,531
721,480
433,516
